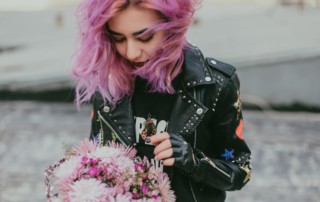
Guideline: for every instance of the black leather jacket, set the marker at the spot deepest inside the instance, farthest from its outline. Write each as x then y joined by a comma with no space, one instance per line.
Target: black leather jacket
207,113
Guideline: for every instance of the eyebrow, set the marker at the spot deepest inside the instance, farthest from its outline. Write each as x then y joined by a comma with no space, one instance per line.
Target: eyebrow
135,33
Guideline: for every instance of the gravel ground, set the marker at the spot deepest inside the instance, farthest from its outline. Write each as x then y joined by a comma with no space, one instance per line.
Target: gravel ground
285,147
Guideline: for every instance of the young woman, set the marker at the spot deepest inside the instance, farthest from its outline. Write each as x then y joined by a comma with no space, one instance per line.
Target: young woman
154,91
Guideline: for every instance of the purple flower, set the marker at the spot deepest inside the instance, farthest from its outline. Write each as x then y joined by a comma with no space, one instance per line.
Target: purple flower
135,195
144,189
84,160
92,171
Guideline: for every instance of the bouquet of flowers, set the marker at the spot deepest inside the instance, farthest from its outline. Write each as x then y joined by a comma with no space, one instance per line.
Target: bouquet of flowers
94,173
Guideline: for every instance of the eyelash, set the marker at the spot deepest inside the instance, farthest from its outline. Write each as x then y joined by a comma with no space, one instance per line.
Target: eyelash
140,39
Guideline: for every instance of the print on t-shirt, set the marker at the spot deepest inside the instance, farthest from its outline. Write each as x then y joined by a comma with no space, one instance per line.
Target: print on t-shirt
146,149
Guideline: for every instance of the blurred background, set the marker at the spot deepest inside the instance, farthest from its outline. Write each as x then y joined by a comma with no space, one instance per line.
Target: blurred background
275,45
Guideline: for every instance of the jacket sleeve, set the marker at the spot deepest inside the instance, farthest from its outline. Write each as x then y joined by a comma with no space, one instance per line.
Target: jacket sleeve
230,169
95,124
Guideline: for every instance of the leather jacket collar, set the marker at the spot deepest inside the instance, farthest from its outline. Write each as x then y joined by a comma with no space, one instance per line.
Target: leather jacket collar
195,71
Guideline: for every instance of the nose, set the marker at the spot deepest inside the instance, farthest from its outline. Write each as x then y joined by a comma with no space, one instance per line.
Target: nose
133,51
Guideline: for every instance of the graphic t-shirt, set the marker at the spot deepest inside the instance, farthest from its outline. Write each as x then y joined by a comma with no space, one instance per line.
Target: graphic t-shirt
151,113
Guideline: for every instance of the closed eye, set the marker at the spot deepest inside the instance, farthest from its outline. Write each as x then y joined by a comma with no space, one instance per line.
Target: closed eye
146,39
118,39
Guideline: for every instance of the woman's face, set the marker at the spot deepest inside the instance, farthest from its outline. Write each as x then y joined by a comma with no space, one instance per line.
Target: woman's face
124,29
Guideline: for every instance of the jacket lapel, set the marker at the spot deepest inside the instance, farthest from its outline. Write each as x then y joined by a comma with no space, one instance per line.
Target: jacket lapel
188,111
186,114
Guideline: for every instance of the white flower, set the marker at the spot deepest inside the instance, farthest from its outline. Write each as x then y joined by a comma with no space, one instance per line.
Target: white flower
125,165
105,153
88,190
68,168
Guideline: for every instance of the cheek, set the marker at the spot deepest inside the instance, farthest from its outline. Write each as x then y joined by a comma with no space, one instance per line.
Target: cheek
121,48
155,43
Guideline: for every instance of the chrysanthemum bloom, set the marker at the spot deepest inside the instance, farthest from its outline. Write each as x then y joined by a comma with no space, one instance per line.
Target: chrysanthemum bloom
167,194
88,190
86,146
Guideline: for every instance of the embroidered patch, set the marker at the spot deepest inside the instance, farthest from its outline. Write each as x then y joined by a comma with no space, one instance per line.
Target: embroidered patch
246,169
228,154
238,105
150,128
239,130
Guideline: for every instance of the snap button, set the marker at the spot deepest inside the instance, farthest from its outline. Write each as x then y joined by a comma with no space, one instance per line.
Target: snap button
106,109
213,62
208,78
199,111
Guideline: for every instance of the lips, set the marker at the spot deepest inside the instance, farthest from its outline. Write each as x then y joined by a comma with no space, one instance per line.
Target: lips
138,64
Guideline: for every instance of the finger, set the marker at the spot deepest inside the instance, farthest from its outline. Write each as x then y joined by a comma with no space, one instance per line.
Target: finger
162,146
158,138
168,162
164,155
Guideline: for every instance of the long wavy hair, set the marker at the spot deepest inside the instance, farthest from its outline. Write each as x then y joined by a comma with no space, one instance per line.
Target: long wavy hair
99,67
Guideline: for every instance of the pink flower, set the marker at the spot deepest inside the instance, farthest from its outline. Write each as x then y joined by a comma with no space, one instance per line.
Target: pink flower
123,198
86,146
167,194
92,171
144,189
88,190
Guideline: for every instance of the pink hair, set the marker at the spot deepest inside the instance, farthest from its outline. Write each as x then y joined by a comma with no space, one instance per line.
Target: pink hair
99,67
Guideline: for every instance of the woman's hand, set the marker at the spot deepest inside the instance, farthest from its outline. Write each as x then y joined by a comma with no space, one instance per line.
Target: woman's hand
163,150
173,150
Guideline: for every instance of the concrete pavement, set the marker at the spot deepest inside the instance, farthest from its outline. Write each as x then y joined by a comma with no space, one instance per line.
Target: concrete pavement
285,148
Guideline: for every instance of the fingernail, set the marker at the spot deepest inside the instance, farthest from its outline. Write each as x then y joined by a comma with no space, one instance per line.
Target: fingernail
147,140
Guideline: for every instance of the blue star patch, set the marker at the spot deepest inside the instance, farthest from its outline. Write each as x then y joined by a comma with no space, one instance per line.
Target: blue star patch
228,154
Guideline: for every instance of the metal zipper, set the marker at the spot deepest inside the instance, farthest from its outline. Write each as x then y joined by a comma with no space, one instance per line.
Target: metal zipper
216,167
193,195
101,117
195,131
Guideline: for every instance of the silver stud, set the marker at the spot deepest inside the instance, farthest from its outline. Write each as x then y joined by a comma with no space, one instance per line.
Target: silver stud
199,111
120,127
115,121
195,105
213,110
188,84
106,108
194,82
213,62
187,130
129,138
189,101
184,97
208,78
180,91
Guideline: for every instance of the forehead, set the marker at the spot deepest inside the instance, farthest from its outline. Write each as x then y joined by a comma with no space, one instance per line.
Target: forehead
133,19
